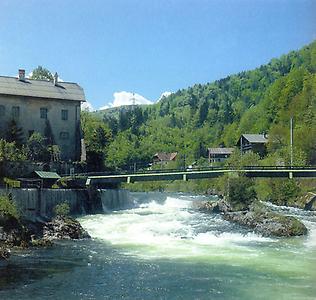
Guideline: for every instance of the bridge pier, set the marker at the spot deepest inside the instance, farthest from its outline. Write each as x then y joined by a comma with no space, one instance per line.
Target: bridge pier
291,175
185,177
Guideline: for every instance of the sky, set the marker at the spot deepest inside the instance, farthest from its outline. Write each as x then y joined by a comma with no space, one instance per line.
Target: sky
120,50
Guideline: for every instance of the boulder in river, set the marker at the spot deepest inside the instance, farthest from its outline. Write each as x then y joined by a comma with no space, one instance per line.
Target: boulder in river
259,218
13,232
309,201
268,223
4,257
62,227
221,206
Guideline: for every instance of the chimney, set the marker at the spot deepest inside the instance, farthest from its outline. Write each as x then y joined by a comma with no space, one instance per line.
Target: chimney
21,75
56,79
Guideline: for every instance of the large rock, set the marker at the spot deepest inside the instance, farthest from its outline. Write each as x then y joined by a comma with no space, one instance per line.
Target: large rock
221,206
309,201
64,228
13,232
268,223
4,257
259,218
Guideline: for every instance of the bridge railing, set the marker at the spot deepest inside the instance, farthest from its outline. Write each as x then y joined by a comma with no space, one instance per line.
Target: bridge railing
196,169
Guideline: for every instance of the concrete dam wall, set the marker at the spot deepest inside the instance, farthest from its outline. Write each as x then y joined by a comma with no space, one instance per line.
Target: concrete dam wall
34,203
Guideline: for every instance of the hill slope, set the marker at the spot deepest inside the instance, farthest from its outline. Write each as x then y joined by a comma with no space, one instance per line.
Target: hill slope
192,119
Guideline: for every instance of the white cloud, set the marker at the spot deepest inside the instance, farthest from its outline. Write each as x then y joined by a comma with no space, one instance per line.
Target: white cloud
87,106
104,107
127,98
163,95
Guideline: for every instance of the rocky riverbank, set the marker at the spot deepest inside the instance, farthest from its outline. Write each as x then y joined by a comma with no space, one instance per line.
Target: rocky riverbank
22,234
259,218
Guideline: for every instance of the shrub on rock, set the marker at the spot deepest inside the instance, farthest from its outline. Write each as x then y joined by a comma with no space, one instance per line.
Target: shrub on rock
240,193
62,209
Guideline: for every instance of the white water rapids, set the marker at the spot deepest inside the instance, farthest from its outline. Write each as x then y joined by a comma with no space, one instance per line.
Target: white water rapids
171,229
164,248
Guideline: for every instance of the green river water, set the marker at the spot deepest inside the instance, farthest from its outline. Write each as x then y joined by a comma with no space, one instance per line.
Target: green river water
163,248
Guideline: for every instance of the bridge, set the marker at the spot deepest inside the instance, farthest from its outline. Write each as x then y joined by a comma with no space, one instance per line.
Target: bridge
199,173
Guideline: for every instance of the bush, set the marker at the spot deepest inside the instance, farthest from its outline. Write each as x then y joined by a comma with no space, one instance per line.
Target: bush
240,192
10,151
62,209
8,207
284,191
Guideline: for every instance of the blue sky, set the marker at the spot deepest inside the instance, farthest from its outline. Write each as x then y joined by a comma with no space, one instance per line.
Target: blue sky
148,47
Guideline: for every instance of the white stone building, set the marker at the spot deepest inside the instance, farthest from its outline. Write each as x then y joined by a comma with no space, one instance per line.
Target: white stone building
36,104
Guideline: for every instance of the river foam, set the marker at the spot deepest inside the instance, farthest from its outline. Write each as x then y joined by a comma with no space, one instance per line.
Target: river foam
171,229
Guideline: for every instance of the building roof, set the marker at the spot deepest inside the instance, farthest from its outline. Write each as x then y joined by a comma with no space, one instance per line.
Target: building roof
41,89
221,150
163,156
47,175
256,138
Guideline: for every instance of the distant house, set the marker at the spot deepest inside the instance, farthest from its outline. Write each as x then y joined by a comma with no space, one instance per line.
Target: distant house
219,154
43,106
253,142
164,158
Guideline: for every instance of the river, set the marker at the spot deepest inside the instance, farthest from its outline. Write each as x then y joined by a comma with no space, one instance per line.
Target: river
163,248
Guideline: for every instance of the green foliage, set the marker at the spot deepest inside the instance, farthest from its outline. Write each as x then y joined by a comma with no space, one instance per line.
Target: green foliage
193,119
97,137
284,191
37,150
15,134
62,209
10,152
240,192
54,152
41,73
8,207
248,159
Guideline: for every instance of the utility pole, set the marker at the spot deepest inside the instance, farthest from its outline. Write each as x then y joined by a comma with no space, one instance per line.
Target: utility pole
291,140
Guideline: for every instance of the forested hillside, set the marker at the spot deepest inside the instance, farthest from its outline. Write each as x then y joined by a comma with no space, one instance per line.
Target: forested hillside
215,114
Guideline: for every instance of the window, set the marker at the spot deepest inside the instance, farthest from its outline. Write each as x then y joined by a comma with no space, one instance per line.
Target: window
15,112
64,114
2,110
43,111
64,135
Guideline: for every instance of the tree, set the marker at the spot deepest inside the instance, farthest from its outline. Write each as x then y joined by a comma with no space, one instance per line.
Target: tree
41,73
54,152
97,136
10,152
202,113
240,192
284,191
123,122
48,134
37,150
15,134
112,123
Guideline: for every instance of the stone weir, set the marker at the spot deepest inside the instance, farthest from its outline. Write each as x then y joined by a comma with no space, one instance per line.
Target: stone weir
40,203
